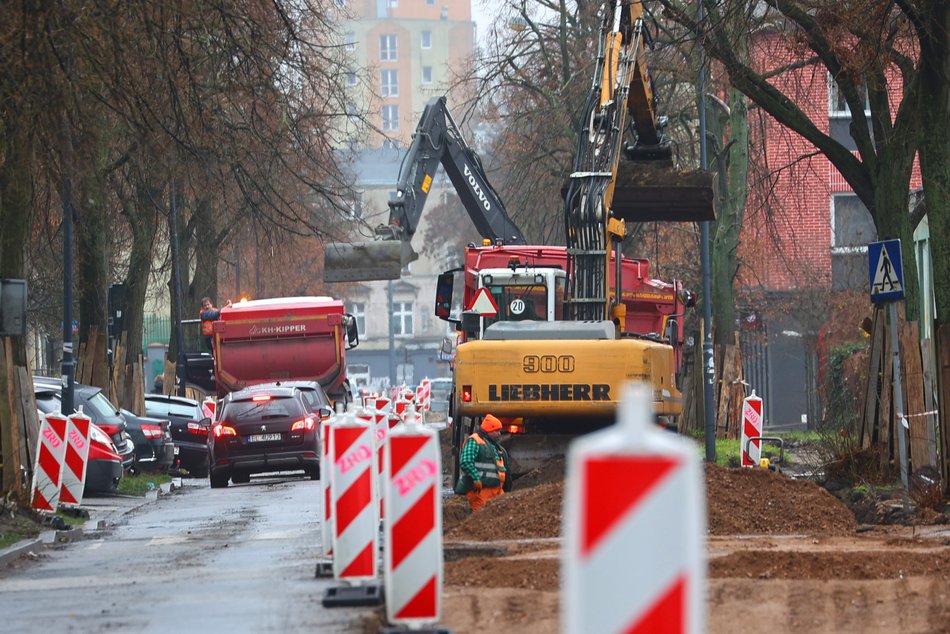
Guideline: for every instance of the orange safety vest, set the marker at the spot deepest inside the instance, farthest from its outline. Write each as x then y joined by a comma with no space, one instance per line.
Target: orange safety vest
206,328
484,469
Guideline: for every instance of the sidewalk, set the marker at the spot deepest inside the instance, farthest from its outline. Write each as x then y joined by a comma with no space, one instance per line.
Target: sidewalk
104,512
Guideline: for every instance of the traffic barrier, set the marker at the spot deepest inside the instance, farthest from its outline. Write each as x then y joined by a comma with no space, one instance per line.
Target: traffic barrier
355,522
750,453
634,526
325,567
424,395
76,459
48,469
413,527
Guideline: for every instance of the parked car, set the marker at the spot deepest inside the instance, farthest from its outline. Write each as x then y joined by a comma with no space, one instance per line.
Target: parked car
154,447
261,429
95,405
440,392
189,429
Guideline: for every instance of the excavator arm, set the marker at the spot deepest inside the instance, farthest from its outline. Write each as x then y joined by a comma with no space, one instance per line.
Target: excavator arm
436,141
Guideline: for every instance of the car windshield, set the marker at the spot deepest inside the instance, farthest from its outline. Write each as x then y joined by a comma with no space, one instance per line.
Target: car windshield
272,407
102,406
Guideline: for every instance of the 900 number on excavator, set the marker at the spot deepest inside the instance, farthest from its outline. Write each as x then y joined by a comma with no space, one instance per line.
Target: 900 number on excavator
549,363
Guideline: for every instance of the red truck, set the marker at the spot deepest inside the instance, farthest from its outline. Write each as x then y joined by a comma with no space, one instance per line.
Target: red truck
286,338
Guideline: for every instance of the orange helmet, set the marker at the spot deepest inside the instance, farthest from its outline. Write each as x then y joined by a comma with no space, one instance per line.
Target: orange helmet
490,424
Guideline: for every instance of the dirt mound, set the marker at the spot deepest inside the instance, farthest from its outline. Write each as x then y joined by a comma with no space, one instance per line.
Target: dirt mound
759,501
550,471
488,572
528,513
739,502
862,565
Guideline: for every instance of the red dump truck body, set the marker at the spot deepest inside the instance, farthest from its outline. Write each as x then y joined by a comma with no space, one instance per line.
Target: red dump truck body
288,338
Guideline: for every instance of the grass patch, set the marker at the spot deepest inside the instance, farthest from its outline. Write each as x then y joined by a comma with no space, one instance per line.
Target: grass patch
141,484
18,528
727,452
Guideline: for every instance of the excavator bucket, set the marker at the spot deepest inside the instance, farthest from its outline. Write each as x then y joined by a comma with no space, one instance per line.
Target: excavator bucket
365,261
652,191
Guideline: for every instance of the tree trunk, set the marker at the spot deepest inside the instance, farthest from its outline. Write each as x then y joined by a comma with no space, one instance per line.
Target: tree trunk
92,248
16,210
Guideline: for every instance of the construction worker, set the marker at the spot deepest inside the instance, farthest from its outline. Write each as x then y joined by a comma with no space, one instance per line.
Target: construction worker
208,315
483,465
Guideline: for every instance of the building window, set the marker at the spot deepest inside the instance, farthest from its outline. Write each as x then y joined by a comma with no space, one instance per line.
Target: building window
350,78
430,3
392,4
349,40
351,109
355,205
387,48
358,310
852,228
837,106
426,74
402,319
390,118
425,39
389,82
340,3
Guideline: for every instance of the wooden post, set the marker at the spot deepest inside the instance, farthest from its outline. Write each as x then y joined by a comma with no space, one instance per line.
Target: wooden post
913,376
9,428
927,359
943,382
872,390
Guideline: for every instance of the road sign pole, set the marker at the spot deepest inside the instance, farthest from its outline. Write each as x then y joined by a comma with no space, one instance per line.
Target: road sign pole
899,401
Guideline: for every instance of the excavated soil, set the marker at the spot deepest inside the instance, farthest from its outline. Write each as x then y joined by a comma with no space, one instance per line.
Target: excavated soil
781,552
739,502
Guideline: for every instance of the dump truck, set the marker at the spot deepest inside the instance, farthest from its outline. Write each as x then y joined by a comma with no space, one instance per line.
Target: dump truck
283,339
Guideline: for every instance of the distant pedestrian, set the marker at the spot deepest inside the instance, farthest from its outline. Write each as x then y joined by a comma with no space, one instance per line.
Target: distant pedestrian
208,315
483,465
158,387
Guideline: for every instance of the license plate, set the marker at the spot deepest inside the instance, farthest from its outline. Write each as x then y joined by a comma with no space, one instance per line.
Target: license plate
263,437
177,449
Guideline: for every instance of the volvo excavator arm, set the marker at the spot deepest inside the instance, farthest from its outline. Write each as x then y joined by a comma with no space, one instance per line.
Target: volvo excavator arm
436,141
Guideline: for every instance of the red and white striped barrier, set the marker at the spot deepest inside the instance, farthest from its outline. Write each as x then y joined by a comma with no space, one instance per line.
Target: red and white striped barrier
634,526
413,526
751,452
424,395
76,459
48,470
326,526
353,492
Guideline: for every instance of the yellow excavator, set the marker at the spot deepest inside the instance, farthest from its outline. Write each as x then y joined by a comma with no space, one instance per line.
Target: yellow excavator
550,380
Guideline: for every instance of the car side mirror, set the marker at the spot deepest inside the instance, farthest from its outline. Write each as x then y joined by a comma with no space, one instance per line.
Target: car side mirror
471,322
325,412
205,421
443,294
352,332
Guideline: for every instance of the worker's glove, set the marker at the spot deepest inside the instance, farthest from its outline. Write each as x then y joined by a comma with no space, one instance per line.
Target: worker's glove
477,486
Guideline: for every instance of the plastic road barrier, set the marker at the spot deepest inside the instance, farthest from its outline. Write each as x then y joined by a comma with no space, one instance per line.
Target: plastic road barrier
353,492
76,459
413,526
424,395
751,428
634,526
326,526
48,470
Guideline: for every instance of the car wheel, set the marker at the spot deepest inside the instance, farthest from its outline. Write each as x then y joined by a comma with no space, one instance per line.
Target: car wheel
219,480
314,473
240,478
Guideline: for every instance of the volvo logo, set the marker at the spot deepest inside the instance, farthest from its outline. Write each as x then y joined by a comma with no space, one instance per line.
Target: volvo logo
477,189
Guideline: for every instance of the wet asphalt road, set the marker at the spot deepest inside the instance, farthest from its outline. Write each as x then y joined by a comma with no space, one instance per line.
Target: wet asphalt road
233,560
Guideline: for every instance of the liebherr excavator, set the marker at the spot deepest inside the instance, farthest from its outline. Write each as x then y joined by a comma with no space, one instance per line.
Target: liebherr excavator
569,325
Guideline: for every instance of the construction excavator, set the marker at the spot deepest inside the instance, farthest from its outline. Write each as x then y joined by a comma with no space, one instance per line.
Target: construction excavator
549,335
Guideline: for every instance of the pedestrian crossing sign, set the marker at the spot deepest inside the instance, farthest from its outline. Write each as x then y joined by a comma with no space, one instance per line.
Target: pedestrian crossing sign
886,271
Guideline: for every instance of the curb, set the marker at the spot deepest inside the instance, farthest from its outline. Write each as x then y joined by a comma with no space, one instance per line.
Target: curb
11,553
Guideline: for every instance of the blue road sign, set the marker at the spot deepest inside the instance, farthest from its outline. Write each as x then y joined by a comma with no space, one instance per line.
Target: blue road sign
886,271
